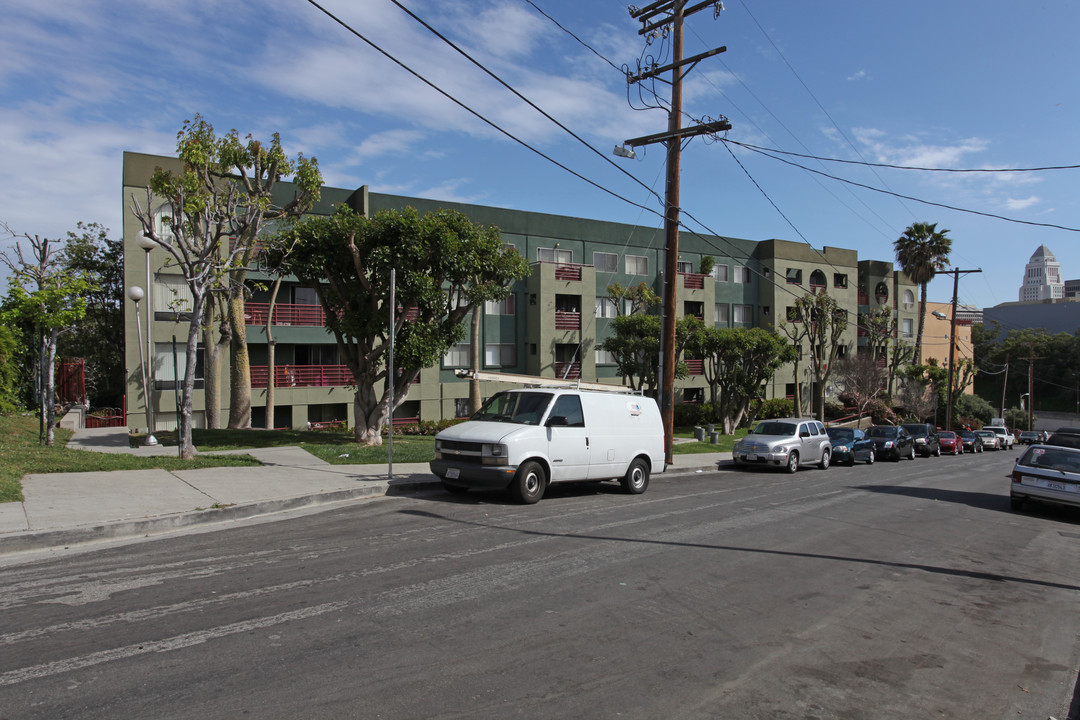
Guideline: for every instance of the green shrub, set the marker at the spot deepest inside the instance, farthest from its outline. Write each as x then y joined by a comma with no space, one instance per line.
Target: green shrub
776,408
974,407
689,415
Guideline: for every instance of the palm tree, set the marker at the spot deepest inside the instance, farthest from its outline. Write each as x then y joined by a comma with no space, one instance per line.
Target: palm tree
922,251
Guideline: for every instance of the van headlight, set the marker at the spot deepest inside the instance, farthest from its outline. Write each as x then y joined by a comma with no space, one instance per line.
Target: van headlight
494,454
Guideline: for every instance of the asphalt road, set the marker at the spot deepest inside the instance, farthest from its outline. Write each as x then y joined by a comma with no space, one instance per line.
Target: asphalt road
901,590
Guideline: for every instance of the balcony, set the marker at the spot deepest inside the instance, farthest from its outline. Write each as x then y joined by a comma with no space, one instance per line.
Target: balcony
285,314
568,370
565,320
286,376
567,272
695,367
693,281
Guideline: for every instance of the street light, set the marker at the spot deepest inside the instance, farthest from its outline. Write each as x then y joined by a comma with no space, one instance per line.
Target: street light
136,294
147,243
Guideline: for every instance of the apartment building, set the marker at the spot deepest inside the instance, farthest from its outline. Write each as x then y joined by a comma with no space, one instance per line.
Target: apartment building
550,325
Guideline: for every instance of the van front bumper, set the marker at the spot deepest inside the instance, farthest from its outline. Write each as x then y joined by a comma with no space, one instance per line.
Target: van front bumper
473,476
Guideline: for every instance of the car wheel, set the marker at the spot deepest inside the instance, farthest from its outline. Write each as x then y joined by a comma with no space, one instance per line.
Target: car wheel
1016,502
897,457
851,459
911,453
870,458
637,477
529,483
455,489
937,453
793,461
825,457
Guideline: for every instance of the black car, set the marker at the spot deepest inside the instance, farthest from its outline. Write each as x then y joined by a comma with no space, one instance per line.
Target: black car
972,442
1065,437
925,437
892,442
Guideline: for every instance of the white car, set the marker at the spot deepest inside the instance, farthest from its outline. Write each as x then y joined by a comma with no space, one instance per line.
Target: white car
785,442
1006,437
990,439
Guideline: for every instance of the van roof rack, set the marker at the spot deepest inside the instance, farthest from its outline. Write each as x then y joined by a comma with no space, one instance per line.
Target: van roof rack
541,381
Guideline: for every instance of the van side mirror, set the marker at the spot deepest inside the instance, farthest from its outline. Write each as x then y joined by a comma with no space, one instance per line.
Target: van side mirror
557,421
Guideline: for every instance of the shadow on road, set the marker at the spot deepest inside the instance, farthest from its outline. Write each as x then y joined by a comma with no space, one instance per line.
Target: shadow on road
981,500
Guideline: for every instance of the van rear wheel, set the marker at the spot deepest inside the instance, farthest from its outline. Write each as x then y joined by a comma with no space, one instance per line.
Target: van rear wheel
636,478
529,483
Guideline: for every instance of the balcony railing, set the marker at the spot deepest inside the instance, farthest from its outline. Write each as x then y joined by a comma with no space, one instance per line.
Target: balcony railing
302,376
285,314
567,272
693,281
568,370
695,367
567,320
864,299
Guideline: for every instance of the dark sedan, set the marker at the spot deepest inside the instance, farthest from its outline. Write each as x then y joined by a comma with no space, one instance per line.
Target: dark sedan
891,442
851,444
972,442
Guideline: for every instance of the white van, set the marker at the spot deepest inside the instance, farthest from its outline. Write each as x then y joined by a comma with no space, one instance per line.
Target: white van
523,439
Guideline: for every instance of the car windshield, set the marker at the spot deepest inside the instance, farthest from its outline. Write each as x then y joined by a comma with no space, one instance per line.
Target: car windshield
985,433
947,435
525,408
841,435
774,428
916,430
967,434
1053,459
882,432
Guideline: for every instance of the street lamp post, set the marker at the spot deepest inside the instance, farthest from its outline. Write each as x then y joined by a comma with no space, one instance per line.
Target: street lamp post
136,294
147,243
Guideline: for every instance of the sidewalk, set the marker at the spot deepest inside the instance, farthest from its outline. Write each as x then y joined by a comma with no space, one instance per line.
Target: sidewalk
69,508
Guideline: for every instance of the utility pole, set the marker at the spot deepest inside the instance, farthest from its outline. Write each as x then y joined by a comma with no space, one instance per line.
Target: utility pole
653,17
1031,380
952,343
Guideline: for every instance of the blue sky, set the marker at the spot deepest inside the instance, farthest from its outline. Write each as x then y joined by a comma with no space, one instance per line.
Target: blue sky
986,85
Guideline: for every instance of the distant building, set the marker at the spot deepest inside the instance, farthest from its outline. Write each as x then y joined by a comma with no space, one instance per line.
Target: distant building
1072,288
1042,278
936,339
969,314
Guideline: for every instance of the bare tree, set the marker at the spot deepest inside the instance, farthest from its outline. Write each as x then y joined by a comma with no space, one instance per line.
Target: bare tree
862,378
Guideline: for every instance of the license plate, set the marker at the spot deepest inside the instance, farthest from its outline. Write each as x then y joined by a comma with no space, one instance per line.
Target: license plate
1048,484
453,473
751,456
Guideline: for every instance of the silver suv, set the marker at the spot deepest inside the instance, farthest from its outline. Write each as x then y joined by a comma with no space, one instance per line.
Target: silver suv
784,442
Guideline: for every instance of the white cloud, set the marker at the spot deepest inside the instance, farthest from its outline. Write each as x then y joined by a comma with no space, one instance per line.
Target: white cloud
1021,203
911,151
859,75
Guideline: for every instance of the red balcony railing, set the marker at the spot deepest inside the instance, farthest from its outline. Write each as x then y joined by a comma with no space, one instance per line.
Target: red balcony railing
693,281
864,299
695,367
567,320
567,272
285,314
303,376
568,370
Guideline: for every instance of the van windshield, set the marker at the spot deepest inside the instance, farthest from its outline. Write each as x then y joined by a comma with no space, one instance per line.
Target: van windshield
525,408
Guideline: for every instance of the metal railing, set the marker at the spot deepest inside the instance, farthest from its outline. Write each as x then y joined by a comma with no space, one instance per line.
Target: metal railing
286,376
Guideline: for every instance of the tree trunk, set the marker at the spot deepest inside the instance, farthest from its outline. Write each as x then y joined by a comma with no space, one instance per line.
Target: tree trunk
214,352
474,383
240,367
271,348
48,386
798,391
922,320
187,447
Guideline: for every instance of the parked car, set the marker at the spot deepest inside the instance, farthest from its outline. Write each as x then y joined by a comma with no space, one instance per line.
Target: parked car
972,443
950,442
1065,437
851,444
925,437
891,442
990,439
1047,473
1006,437
1030,437
786,442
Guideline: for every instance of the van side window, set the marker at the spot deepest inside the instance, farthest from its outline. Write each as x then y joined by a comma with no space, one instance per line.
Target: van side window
569,407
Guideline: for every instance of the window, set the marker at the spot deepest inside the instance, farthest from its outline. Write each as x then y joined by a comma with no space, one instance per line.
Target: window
841,352
839,280
637,265
457,356
721,315
794,276
603,357
881,293
500,355
743,314
817,279
694,396
171,294
793,314
605,262
909,299
695,309
720,273
906,327
554,255
569,407
500,307
684,267
461,407
605,307
162,371
742,274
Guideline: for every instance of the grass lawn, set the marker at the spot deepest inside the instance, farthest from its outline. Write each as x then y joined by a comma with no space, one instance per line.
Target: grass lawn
726,442
20,454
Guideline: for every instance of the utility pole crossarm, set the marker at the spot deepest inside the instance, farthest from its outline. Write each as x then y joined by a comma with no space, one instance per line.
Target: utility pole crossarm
702,129
655,72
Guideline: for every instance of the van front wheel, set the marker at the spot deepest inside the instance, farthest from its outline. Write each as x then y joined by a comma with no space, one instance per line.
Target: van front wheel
529,483
636,478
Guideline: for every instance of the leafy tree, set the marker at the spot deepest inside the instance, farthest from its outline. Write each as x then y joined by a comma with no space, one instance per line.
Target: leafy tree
739,362
922,251
924,390
823,324
882,342
973,407
50,297
10,363
446,267
96,338
795,330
